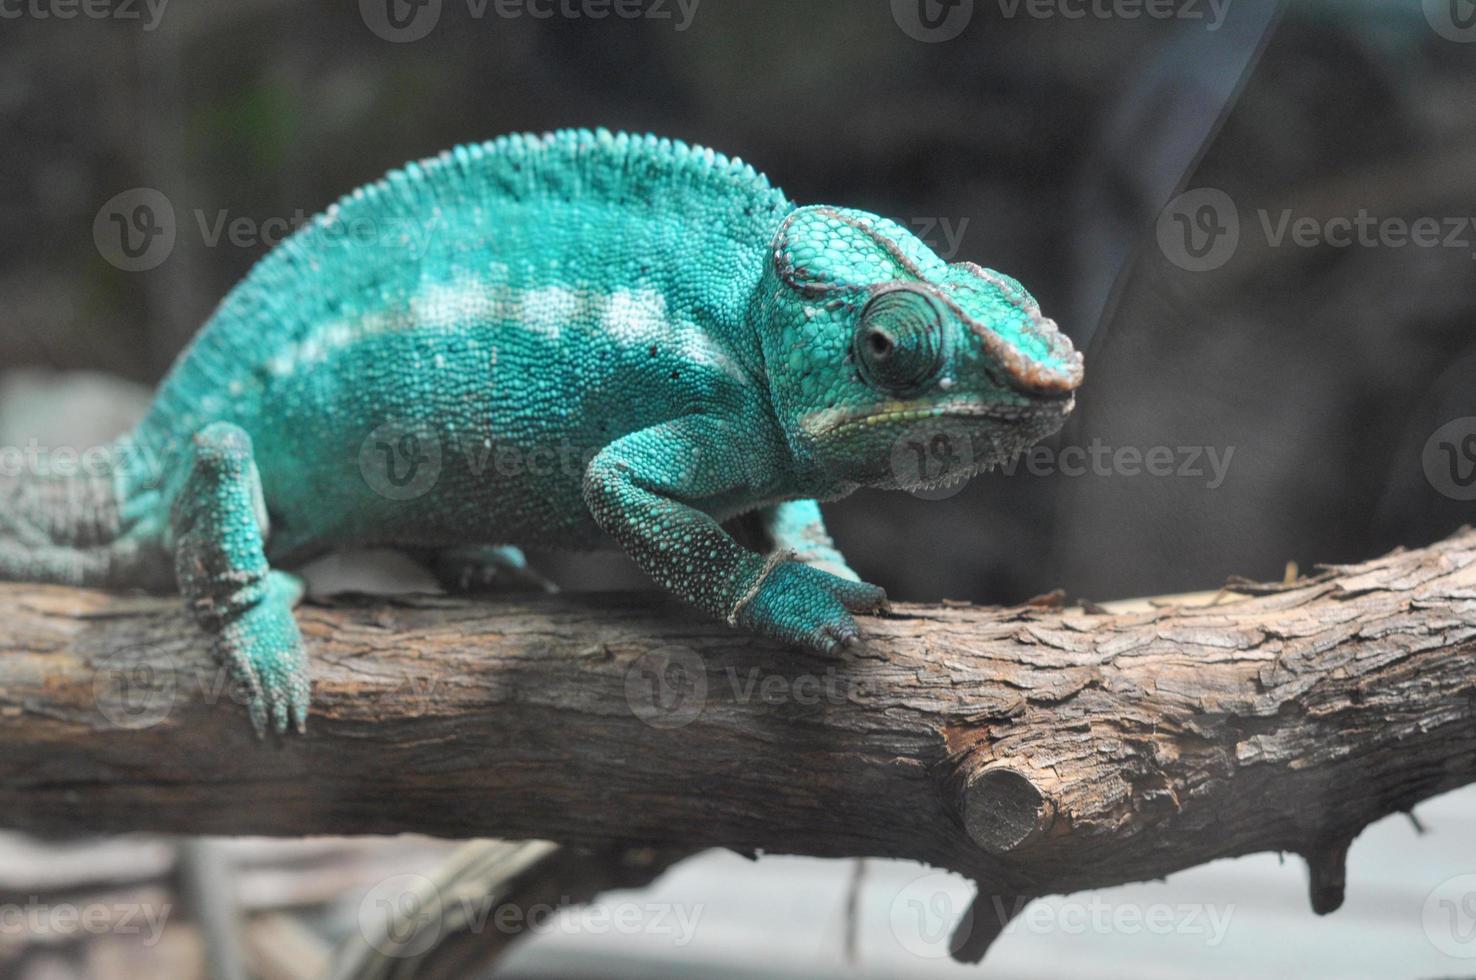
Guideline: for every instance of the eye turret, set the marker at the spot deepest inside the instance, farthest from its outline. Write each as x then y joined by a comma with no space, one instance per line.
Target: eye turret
898,343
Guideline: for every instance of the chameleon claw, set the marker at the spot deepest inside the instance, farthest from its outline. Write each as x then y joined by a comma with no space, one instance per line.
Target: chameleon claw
257,711
834,639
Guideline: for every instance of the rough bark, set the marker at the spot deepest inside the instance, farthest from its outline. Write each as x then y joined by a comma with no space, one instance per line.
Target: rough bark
1037,750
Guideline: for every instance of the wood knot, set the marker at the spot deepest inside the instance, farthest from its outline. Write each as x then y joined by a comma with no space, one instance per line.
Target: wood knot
1003,809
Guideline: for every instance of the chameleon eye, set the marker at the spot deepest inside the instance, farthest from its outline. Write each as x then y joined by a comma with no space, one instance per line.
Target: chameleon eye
899,341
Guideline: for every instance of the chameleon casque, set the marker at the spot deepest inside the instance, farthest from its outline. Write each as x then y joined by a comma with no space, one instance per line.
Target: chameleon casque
605,339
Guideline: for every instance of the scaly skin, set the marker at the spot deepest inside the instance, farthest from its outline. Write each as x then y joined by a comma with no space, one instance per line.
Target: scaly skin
562,341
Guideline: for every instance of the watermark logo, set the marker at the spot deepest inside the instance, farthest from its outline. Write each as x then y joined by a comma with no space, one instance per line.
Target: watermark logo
43,922
132,694
932,915
1211,12
403,459
1449,917
932,21
402,916
1210,464
135,229
121,458
150,12
400,21
1450,459
943,235
406,915
1097,916
1454,20
932,460
400,460
1199,231
667,688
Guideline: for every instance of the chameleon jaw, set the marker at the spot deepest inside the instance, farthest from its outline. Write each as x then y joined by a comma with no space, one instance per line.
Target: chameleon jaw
832,423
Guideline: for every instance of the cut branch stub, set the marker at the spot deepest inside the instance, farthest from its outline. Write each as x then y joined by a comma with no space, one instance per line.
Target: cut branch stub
1003,809
1327,869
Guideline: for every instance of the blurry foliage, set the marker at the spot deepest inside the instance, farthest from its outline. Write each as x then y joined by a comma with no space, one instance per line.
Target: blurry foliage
255,127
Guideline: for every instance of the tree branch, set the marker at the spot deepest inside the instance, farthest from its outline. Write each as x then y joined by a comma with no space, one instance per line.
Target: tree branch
1036,750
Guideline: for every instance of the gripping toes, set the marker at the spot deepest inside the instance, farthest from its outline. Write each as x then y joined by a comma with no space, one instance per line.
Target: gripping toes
263,651
800,604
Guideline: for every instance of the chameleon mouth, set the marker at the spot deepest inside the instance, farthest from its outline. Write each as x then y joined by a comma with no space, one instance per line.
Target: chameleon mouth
898,446
1040,412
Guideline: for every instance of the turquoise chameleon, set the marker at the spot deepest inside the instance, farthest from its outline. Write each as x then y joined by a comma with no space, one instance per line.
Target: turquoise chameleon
563,341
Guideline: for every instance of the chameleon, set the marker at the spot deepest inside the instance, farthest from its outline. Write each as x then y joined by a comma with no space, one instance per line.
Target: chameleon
570,340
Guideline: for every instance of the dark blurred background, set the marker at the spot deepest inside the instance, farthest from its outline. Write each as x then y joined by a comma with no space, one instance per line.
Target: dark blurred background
1306,397
1045,147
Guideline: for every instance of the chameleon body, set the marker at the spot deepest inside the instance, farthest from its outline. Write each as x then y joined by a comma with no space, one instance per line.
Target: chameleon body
570,340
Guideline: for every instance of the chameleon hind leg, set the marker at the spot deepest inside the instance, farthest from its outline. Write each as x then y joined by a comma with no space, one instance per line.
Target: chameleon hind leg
218,525
484,568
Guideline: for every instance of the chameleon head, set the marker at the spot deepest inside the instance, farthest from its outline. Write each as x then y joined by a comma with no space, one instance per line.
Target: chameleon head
893,368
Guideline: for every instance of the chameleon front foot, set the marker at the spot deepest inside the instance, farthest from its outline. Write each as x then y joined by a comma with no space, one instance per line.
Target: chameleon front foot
804,606
263,651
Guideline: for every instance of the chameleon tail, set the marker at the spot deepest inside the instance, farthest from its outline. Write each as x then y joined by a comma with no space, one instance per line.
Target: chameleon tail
63,524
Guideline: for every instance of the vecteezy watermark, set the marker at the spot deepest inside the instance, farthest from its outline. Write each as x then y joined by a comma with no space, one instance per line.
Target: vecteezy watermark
943,235
1454,20
400,459
406,915
669,687
137,230
1449,917
36,919
403,459
121,458
1211,12
1449,459
933,20
133,693
137,689
149,12
402,21
402,916
944,20
1210,464
1201,230
933,459
934,914
1095,916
